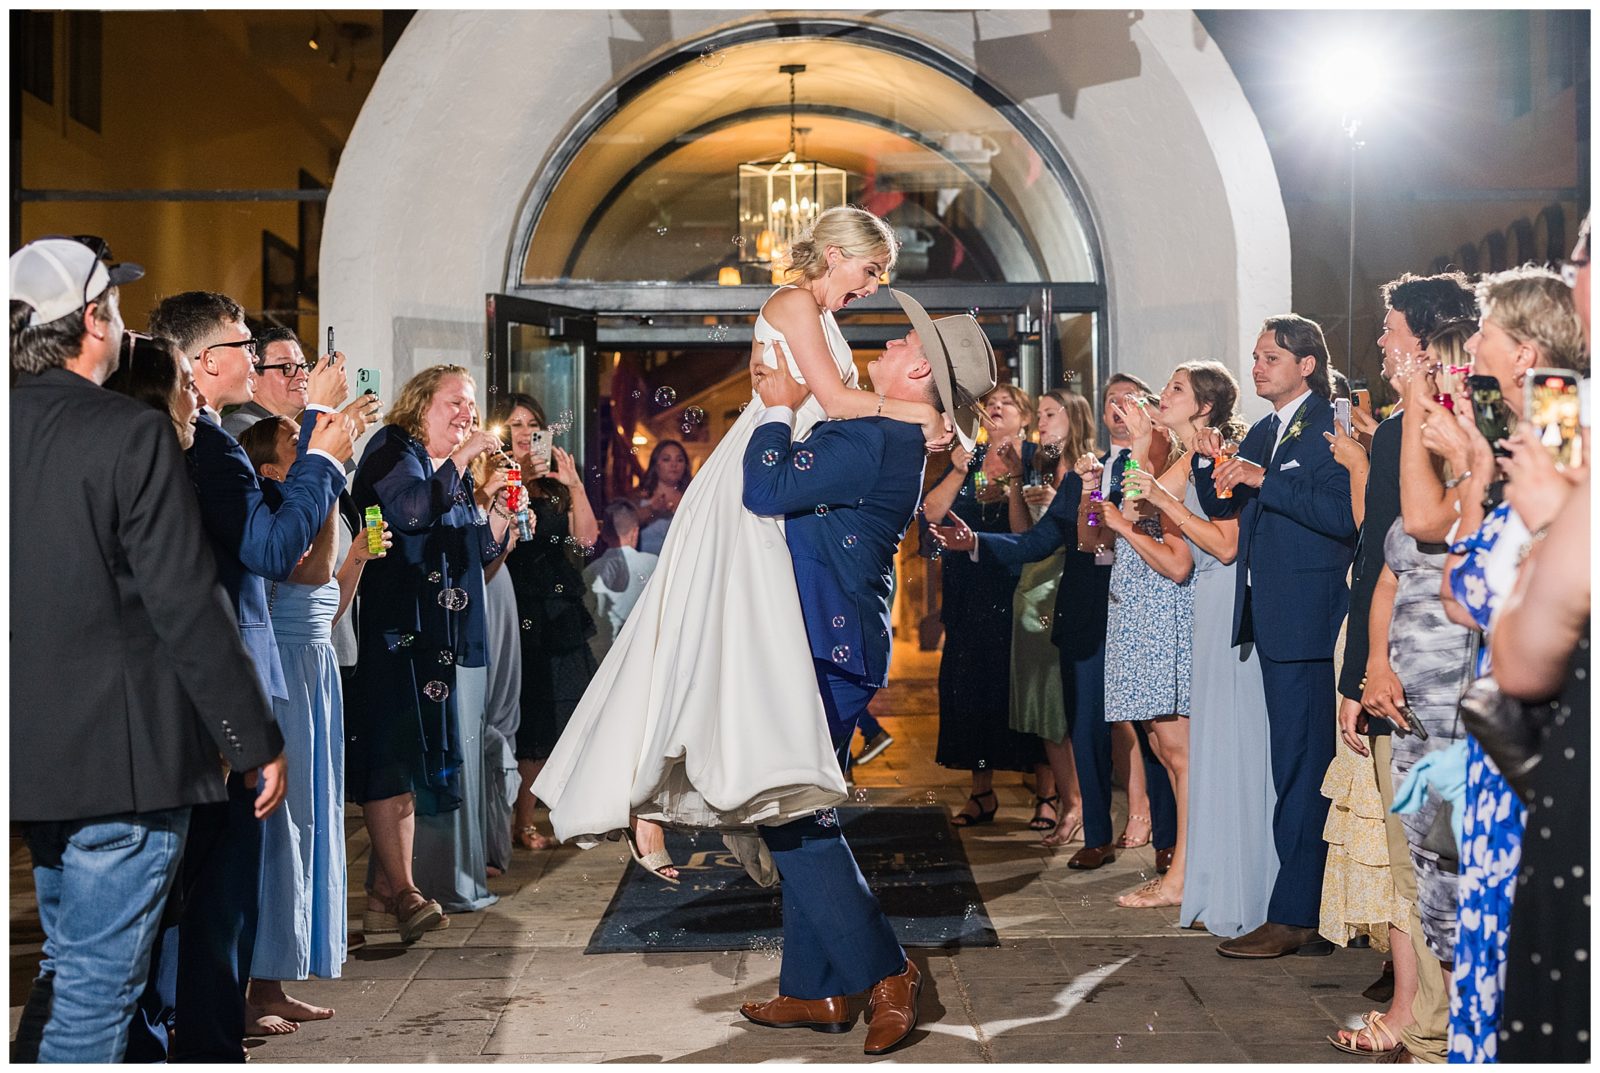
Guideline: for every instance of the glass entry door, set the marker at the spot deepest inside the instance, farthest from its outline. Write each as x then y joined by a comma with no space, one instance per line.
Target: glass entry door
544,350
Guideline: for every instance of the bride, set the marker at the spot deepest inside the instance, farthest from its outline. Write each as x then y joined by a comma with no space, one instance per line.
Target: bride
705,712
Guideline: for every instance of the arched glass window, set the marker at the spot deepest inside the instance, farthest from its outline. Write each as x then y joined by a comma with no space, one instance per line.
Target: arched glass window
652,194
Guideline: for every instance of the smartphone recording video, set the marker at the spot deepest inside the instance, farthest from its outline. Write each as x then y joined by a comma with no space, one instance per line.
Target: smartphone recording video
1489,411
1554,410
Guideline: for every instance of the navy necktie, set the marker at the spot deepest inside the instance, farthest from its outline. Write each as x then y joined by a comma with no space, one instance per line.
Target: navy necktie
1273,424
1117,463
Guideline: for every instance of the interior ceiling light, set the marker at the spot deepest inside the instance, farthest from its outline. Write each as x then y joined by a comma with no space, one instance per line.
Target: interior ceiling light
779,198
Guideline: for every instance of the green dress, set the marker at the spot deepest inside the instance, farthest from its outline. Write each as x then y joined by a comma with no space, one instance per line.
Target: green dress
1037,706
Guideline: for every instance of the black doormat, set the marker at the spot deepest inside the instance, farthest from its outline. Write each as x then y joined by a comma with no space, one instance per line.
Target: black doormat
911,858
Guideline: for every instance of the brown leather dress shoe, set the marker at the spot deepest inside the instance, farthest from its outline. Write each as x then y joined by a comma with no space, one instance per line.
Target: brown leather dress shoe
819,1014
1274,941
1164,860
892,1009
1091,857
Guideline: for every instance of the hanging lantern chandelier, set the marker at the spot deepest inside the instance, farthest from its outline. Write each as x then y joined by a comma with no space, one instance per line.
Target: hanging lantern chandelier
779,198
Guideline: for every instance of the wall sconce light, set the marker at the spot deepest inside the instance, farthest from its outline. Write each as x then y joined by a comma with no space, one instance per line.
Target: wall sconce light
728,276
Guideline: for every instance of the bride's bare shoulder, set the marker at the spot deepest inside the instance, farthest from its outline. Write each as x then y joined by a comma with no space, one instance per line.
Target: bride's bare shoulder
790,304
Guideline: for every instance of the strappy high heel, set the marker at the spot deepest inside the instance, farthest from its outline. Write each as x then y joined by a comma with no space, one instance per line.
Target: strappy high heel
962,819
1041,822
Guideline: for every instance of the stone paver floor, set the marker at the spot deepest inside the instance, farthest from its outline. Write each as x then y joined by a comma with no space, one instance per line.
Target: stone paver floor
1076,978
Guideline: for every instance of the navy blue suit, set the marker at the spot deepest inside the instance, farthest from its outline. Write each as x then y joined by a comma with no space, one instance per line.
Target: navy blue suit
201,963
1296,541
868,474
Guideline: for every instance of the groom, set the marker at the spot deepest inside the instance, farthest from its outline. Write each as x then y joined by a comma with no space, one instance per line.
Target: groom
847,493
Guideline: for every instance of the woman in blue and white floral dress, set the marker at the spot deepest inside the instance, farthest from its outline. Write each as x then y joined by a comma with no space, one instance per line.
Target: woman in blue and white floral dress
1492,825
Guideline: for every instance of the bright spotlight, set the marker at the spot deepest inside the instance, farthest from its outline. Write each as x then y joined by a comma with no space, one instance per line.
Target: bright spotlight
1349,79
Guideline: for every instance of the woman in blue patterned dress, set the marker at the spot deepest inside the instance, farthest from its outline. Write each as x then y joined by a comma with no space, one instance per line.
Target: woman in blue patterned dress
1527,322
1150,629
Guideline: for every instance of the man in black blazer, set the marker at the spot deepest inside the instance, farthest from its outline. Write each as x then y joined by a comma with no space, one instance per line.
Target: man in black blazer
129,685
1296,540
203,962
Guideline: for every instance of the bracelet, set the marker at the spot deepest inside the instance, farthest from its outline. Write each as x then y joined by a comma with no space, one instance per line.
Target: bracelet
1453,481
1187,518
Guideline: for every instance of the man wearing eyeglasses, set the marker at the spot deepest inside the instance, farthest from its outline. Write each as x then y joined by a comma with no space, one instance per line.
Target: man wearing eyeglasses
199,973
282,379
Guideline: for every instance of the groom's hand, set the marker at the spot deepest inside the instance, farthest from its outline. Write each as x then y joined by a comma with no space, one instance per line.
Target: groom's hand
776,387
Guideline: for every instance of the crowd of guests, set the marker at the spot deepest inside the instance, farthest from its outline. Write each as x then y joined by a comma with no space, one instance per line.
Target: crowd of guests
286,629
277,627
1340,658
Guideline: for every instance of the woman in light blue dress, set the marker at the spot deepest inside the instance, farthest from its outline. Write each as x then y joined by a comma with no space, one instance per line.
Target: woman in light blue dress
1230,861
302,927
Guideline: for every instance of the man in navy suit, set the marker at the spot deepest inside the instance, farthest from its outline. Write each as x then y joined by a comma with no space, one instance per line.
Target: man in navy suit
1296,541
203,961
867,473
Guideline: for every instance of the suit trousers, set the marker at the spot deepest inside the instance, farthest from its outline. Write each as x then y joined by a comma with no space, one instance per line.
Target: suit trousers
1302,722
201,964
1083,683
836,940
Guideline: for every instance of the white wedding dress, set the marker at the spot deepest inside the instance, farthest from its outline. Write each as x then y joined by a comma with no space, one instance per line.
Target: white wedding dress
705,712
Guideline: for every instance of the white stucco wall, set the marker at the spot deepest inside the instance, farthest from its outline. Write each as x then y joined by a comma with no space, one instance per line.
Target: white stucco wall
1143,107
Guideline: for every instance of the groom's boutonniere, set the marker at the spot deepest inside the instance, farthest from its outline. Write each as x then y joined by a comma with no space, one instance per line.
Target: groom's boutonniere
1297,424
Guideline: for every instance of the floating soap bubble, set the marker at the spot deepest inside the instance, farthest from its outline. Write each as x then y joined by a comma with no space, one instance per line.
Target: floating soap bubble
861,793
850,541
694,415
974,310
1119,1043
403,641
710,58
437,692
718,333
738,240
453,599
841,653
838,622
931,798
447,658
559,588
827,818
822,510
803,460
435,577
661,232
666,396
972,907
638,394
1044,621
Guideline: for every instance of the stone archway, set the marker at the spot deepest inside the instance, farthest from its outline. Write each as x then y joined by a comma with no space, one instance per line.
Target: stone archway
470,107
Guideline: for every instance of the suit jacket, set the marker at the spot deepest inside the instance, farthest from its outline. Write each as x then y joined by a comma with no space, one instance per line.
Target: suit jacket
1082,598
242,417
1296,539
128,676
868,473
255,541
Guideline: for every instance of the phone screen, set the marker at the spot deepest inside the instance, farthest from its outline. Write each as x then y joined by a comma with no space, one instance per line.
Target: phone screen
1554,410
1489,411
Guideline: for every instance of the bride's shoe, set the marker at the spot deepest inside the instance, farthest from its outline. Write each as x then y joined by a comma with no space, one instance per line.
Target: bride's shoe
652,862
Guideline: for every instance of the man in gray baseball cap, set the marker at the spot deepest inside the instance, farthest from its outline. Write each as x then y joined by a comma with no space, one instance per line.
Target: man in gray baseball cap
125,698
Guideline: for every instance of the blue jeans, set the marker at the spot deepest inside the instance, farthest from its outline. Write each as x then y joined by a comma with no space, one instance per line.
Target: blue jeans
101,885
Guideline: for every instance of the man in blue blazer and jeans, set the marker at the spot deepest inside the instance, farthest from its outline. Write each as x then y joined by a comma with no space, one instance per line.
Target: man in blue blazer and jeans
1296,540
847,494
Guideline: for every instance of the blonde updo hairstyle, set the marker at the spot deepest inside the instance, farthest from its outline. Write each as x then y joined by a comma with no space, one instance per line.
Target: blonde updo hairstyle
417,393
857,233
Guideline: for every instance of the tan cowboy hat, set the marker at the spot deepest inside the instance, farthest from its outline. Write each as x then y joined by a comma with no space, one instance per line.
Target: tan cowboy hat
962,359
